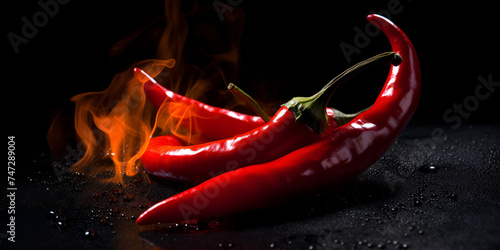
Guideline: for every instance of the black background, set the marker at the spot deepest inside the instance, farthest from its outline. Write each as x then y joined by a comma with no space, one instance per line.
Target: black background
287,47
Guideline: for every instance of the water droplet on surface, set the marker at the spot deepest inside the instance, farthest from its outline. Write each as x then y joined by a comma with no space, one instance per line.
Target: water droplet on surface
128,198
89,234
402,246
225,245
117,191
428,168
452,196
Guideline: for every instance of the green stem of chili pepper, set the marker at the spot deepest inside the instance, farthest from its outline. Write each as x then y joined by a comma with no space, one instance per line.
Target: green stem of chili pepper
249,101
311,110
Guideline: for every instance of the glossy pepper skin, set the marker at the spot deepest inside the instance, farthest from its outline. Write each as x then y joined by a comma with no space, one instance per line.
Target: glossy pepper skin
212,122
335,159
295,125
199,162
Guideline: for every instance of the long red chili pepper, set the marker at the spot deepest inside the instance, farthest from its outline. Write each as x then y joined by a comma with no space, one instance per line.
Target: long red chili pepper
212,122
339,157
295,125
223,123
199,162
166,158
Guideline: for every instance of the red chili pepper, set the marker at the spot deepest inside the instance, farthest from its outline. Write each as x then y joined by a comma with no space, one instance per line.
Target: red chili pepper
212,122
222,123
167,160
200,162
335,159
280,136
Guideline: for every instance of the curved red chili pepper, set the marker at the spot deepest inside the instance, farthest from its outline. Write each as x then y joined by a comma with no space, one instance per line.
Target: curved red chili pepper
300,122
199,162
337,158
212,122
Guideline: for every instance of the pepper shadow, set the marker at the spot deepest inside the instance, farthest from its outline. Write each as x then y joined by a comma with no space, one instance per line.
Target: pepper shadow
353,193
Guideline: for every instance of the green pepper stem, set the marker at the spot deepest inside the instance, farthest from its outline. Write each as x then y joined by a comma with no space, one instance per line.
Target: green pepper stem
312,110
249,101
343,118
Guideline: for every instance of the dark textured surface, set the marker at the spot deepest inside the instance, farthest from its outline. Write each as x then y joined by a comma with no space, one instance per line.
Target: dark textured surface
425,193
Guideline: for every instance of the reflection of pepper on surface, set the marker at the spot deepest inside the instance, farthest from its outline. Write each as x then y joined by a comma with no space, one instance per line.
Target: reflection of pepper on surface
338,157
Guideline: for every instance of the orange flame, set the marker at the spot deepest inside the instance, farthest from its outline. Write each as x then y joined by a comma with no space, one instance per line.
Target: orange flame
114,126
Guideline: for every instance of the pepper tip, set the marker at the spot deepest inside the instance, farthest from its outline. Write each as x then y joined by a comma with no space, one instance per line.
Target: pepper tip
142,221
142,75
371,17
378,20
